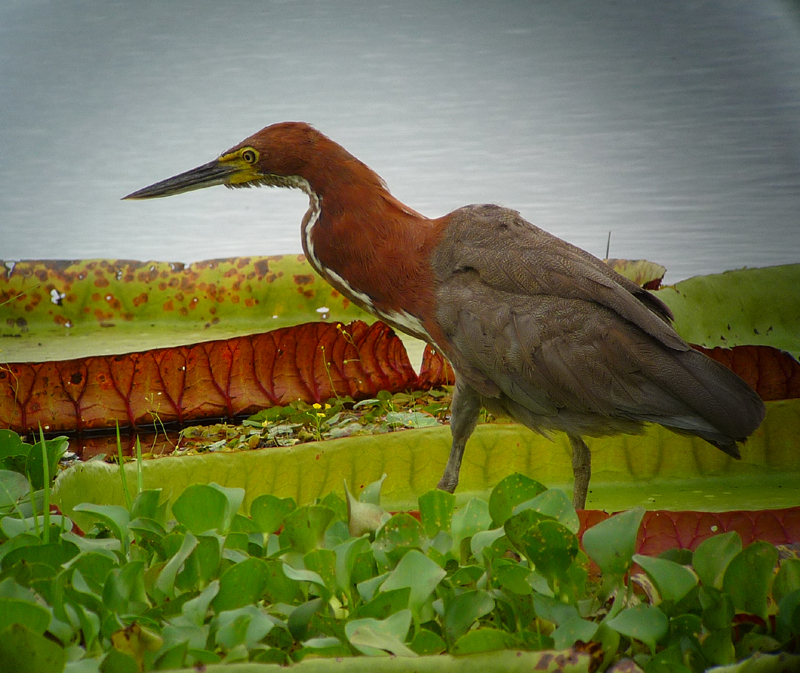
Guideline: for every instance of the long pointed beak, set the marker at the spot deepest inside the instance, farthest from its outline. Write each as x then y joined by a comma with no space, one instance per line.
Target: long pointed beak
207,175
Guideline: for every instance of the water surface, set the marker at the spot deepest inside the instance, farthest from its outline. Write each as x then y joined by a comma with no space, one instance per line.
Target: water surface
673,125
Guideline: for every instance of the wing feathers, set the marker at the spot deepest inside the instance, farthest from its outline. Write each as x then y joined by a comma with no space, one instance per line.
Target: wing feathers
568,343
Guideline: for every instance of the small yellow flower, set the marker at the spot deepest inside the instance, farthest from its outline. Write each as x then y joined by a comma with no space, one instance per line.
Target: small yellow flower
316,405
320,415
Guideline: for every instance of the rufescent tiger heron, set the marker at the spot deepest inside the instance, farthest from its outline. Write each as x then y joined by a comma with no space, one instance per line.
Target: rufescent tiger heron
534,327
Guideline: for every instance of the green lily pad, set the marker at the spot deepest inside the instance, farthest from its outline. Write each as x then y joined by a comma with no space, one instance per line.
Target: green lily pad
657,470
744,307
120,306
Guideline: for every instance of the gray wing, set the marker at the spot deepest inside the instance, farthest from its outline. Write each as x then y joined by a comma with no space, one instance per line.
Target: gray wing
559,333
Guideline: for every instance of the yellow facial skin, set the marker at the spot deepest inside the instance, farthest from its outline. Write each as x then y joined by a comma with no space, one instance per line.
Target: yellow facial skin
243,162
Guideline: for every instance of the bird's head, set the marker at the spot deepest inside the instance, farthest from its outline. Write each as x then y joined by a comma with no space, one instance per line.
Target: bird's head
276,156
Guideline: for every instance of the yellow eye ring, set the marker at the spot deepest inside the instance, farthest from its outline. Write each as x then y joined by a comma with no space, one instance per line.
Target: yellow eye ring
250,156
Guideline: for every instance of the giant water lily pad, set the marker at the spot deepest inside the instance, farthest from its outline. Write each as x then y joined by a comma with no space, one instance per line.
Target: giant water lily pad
743,307
55,310
658,470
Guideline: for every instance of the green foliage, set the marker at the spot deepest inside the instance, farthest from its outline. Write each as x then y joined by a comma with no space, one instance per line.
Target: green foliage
140,593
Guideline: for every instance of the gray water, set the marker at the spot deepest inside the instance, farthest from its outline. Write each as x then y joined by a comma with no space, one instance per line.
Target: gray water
674,125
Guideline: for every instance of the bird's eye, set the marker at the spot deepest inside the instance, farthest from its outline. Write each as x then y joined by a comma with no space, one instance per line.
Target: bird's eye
249,156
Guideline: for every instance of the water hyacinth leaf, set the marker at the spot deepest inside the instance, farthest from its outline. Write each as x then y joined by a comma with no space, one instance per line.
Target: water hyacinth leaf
383,605
485,539
346,554
269,511
166,578
13,486
244,626
553,502
483,640
367,588
551,547
712,556
299,622
94,567
420,574
787,580
748,575
436,511
464,610
194,611
173,657
12,526
113,517
572,631
718,647
363,517
672,580
124,590
787,623
512,576
300,575
25,651
612,543
554,610
11,444
470,520
241,584
401,530
427,642
136,641
195,636
119,662
146,505
375,637
235,498
323,563
279,588
510,492
718,610
202,508
18,611
304,528
32,551
34,467
641,622
371,494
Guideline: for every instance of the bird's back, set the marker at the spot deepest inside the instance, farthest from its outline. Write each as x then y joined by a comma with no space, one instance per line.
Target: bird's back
553,336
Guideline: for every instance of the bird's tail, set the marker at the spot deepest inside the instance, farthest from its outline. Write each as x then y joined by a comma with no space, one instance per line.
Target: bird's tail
725,409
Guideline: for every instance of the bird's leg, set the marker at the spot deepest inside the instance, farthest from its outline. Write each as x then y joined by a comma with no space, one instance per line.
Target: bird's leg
582,469
464,412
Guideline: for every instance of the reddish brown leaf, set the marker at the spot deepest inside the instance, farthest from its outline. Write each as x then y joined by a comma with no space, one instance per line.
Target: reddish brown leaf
312,362
662,530
772,373
435,370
